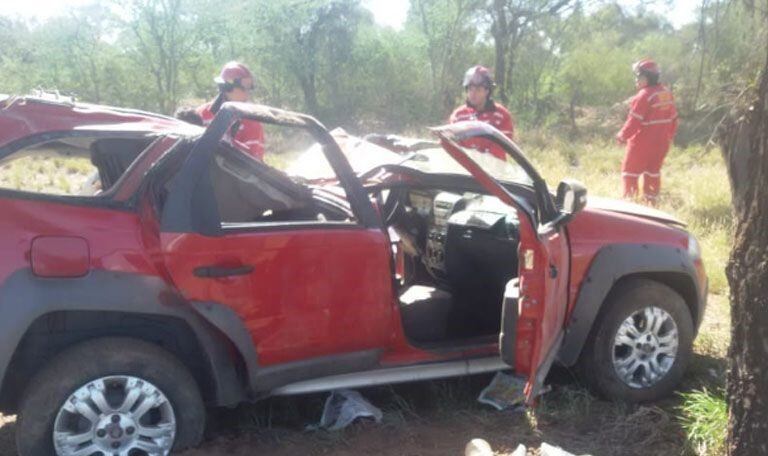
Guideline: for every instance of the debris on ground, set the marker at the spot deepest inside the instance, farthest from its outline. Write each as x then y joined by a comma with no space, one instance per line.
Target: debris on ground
504,392
343,407
520,451
550,450
478,447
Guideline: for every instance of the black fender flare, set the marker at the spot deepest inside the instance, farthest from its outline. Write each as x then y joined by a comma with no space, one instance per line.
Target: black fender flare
611,264
25,297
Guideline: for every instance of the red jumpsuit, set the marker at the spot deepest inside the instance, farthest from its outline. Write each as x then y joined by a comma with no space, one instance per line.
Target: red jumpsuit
249,136
493,114
648,131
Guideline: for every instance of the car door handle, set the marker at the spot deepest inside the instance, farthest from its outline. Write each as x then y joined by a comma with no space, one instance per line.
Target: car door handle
212,272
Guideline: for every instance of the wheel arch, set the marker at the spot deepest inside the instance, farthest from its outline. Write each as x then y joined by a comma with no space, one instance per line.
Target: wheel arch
615,265
43,317
55,332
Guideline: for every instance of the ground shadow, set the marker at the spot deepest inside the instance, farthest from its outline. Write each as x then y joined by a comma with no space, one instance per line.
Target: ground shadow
440,417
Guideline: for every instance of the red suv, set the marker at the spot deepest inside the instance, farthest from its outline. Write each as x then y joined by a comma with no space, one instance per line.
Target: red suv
186,273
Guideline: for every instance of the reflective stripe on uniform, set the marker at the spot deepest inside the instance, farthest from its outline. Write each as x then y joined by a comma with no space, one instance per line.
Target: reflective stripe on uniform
635,115
629,175
646,173
654,95
658,122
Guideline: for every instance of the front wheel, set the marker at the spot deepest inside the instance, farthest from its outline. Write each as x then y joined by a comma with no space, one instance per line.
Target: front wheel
111,397
640,346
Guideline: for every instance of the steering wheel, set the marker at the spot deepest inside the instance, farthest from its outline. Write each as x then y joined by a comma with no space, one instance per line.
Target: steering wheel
370,173
391,206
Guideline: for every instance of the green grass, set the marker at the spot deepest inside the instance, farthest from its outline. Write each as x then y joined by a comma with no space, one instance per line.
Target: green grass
704,417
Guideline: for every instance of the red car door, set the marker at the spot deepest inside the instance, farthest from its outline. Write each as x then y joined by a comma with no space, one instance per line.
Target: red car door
304,287
543,258
302,292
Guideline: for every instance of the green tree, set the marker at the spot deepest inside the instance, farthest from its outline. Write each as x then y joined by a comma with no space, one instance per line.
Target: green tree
160,37
449,29
511,21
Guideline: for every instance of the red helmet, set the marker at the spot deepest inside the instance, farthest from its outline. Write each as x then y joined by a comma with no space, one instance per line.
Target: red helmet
232,73
646,66
478,75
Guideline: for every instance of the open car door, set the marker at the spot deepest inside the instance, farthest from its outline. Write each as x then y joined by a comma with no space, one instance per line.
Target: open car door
534,308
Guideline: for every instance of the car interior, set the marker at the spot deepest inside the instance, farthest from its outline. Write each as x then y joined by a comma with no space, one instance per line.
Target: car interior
249,191
459,255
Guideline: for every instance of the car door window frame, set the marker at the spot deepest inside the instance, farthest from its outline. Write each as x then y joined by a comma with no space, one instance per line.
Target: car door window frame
192,206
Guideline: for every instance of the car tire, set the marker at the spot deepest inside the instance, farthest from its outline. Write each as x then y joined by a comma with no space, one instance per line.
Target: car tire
139,371
625,359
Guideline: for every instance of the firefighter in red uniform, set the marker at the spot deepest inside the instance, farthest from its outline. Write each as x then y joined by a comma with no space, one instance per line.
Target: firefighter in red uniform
648,132
479,85
235,84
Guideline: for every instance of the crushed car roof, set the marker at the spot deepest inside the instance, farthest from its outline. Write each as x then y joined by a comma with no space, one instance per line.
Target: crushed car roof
21,117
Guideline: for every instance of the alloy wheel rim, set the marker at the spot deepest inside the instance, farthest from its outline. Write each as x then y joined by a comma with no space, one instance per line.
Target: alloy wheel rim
645,347
115,416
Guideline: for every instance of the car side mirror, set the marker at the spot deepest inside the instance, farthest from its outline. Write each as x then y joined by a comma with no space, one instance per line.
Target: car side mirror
570,199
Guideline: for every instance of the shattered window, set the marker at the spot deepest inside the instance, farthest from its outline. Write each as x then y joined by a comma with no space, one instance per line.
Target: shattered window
249,190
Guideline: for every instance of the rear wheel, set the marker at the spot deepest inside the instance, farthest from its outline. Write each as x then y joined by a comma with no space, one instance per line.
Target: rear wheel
640,346
111,397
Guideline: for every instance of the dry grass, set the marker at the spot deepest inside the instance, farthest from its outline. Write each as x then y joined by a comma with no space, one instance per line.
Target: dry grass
695,188
57,176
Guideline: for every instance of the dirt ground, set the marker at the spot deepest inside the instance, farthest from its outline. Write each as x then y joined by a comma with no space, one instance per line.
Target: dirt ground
433,418
441,417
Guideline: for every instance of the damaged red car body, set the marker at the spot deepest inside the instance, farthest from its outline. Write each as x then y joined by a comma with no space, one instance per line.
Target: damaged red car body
244,282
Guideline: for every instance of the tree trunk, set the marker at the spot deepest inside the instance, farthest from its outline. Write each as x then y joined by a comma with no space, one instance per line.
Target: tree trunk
744,142
572,113
310,93
500,35
703,50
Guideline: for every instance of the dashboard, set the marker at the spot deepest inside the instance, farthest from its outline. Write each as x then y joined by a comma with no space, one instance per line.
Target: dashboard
466,230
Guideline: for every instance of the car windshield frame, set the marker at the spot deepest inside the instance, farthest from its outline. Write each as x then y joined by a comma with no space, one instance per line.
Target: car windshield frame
501,170
452,135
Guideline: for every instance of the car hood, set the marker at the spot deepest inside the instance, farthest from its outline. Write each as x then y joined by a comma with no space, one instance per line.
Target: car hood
637,210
